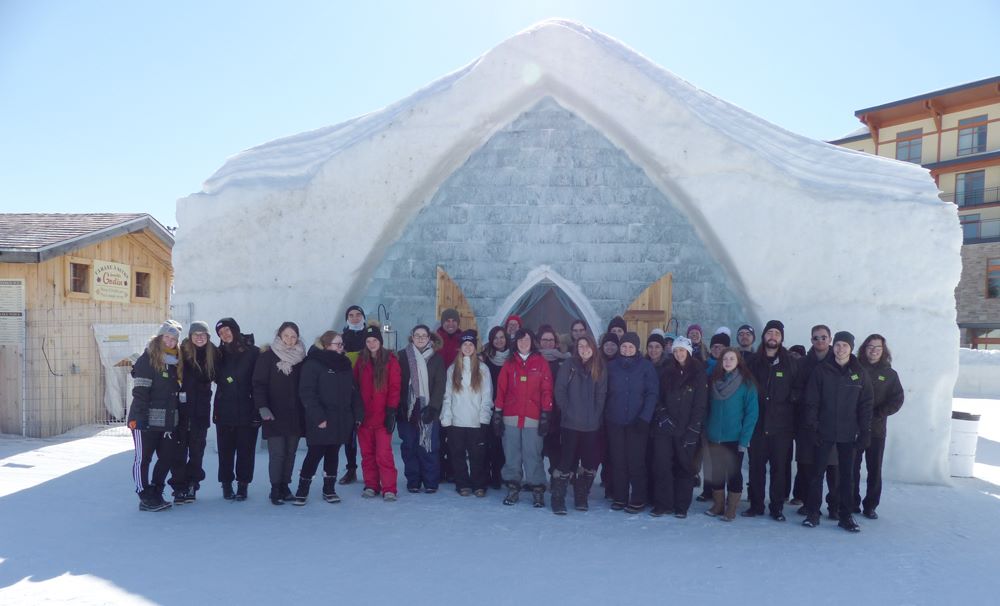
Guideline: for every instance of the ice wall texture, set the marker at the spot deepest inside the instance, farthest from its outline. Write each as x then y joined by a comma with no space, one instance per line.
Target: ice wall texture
549,189
806,232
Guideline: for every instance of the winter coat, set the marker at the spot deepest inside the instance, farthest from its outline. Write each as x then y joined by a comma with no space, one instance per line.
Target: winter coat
579,398
154,396
778,393
467,408
197,388
280,393
354,343
683,402
887,394
633,390
733,419
806,437
436,371
494,372
234,404
377,400
524,390
838,402
328,393
450,345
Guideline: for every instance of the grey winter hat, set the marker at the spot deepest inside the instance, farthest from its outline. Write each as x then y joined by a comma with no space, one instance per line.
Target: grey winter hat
197,326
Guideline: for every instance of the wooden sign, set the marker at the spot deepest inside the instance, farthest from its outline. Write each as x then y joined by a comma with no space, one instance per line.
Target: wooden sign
112,282
12,311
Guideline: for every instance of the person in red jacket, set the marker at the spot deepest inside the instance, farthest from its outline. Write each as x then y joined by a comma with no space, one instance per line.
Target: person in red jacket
378,377
521,416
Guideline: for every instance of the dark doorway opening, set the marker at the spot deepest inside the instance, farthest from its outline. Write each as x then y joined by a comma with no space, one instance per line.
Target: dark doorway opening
546,303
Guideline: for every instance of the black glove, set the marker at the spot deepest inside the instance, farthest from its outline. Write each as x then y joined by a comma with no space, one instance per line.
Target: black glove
663,419
691,438
497,422
543,424
390,419
428,415
864,441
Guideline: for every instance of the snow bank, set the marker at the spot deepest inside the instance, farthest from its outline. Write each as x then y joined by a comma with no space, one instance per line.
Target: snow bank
809,232
978,374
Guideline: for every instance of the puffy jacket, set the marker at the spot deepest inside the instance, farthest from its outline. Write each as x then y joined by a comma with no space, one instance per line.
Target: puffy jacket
887,394
467,408
377,400
778,393
450,345
328,393
633,390
234,386
436,371
579,398
196,384
280,393
733,419
154,396
524,390
838,402
683,402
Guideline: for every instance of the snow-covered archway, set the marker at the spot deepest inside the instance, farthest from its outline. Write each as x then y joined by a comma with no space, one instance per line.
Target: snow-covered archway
539,275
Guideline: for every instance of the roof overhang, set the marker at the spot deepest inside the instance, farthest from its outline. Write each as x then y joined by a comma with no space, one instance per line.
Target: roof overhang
38,255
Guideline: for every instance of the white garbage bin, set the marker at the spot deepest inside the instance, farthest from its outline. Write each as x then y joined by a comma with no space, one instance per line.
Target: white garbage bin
964,437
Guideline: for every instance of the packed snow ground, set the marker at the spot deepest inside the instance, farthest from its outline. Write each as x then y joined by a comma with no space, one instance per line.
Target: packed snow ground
72,533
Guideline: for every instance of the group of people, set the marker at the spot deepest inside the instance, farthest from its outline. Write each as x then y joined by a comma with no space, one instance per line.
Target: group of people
488,417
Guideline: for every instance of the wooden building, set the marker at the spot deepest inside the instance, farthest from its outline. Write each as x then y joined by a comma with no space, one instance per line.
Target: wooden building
62,275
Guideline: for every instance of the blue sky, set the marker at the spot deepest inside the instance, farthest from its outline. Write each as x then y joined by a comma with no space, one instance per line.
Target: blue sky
124,106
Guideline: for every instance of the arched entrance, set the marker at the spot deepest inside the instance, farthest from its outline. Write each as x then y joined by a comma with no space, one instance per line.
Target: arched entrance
545,297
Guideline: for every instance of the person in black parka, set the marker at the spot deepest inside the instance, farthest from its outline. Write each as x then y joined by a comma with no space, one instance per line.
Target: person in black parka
888,399
494,355
234,414
677,427
276,396
333,411
198,356
153,417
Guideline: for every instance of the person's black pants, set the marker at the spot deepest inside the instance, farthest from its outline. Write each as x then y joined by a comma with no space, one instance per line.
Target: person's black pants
768,450
351,450
494,457
873,462
841,494
673,472
578,449
236,452
168,449
330,453
627,451
726,470
197,439
468,457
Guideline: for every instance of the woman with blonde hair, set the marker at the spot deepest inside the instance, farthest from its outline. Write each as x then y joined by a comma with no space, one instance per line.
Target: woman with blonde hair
468,405
198,355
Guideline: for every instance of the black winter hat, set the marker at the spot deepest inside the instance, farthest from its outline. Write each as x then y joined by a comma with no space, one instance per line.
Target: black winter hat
450,314
720,339
609,337
775,324
470,336
229,322
747,328
353,308
631,337
373,331
617,322
655,338
846,337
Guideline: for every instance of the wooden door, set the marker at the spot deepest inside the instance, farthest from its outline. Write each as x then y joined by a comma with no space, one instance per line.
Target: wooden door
651,309
450,295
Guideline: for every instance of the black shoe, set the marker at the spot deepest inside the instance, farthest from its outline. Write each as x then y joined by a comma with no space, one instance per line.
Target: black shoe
538,496
617,506
241,491
680,515
302,490
286,494
350,476
276,495
659,512
431,490
777,516
811,521
752,513
849,524
513,494
635,508
151,499
330,490
870,514
189,495
180,496
227,491
413,490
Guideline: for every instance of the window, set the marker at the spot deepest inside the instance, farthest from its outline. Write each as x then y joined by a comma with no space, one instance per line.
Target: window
79,277
970,226
143,285
992,278
972,135
969,188
987,338
909,144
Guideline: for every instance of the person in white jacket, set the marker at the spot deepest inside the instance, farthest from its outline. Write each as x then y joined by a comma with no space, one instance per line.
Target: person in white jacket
468,406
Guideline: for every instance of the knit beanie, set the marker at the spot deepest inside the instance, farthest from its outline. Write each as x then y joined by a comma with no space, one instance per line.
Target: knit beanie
655,338
609,337
197,326
515,318
747,328
669,337
844,336
631,337
617,322
449,314
230,323
470,336
373,331
694,327
720,339
684,343
354,308
724,330
170,328
781,328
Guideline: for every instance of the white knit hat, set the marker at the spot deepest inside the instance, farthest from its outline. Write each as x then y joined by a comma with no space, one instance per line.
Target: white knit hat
684,343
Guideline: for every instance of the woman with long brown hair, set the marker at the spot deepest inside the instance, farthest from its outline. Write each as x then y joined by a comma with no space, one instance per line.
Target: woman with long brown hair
378,378
580,391
468,405
198,356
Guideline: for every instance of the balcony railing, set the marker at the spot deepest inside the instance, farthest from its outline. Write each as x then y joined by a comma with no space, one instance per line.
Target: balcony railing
974,231
974,197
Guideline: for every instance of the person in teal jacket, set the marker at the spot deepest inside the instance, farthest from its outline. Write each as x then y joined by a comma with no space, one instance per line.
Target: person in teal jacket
732,418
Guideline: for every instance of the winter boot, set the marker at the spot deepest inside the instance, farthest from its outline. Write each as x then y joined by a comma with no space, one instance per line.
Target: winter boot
227,491
849,524
350,476
276,495
560,482
581,488
513,493
286,493
241,491
731,505
180,496
191,491
329,489
302,491
538,496
153,500
718,503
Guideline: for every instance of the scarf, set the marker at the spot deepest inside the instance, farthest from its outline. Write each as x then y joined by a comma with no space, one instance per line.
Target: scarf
500,358
554,355
171,358
419,390
725,387
288,356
